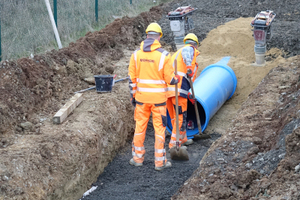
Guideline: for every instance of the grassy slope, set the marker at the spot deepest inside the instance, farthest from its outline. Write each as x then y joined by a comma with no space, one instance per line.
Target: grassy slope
26,27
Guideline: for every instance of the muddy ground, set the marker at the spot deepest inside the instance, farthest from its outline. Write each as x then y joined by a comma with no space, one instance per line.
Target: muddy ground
258,149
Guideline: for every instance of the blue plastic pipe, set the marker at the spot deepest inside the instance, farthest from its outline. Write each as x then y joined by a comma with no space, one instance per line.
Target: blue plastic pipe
215,85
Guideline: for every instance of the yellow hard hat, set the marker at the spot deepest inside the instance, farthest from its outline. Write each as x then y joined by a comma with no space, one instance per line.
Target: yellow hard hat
191,36
154,27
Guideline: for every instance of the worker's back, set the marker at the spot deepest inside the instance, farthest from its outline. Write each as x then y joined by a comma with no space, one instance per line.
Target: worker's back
151,67
184,85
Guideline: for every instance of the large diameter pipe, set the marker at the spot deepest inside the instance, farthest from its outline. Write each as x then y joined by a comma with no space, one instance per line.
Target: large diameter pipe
53,24
215,85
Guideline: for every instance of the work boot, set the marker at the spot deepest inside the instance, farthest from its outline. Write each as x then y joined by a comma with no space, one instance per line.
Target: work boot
168,164
188,142
132,162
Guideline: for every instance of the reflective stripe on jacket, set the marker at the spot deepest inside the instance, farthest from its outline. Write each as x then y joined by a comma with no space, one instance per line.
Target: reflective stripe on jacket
150,70
184,84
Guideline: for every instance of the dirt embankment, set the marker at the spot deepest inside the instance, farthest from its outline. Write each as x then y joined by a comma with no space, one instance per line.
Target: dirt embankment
259,154
44,82
40,160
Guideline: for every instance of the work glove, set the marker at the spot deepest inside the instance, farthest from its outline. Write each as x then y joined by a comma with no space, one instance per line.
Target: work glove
190,72
133,102
191,98
175,80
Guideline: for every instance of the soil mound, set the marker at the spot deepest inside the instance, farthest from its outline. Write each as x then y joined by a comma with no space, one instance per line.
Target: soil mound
42,83
258,155
40,160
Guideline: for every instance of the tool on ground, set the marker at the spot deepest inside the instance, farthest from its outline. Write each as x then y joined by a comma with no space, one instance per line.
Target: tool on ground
201,135
91,88
178,153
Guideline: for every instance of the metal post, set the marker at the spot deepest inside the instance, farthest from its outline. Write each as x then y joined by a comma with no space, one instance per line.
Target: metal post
55,11
53,23
0,42
96,10
130,1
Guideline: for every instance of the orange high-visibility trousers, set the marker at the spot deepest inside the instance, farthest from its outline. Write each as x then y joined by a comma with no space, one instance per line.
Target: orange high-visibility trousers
182,114
159,117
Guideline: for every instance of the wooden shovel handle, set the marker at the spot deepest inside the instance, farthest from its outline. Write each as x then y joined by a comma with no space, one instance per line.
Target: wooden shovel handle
176,108
196,106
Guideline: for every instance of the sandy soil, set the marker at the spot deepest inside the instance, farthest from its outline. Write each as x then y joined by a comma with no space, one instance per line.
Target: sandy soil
40,160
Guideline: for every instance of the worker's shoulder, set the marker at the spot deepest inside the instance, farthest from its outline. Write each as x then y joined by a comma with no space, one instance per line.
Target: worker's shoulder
163,51
136,50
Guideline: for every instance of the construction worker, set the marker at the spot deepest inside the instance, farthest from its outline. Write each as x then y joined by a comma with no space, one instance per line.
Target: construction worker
150,71
185,58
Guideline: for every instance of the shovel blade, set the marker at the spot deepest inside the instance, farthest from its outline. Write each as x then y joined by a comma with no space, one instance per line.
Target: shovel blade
202,136
180,154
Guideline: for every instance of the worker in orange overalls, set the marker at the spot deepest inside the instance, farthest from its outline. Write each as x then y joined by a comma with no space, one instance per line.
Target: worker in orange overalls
150,71
186,59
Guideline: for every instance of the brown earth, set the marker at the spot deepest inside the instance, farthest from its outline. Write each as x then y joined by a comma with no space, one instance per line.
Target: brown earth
242,164
40,160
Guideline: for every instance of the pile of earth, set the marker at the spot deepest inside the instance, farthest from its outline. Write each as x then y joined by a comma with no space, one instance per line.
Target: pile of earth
41,160
259,154
43,83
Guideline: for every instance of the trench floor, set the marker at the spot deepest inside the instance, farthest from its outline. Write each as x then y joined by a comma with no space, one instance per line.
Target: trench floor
122,181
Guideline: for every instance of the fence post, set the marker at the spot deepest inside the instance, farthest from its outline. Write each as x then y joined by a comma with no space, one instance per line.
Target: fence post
55,11
96,10
0,41
53,23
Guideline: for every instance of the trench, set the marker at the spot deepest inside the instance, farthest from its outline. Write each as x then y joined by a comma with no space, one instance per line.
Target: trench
120,180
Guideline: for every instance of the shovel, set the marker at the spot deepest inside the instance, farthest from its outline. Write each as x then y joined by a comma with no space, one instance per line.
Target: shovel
200,135
178,153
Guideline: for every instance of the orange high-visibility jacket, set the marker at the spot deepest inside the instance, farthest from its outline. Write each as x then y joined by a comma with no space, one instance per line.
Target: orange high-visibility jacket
184,84
150,70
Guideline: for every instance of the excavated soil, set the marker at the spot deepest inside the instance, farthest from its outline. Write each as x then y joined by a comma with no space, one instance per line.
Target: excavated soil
255,135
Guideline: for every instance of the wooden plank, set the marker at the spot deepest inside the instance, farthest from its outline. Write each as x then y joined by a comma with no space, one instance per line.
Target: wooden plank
64,112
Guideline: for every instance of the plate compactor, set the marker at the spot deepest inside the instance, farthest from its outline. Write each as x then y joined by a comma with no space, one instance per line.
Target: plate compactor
262,32
180,23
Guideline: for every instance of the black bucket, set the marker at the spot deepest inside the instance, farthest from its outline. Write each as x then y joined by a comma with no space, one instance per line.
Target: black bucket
104,83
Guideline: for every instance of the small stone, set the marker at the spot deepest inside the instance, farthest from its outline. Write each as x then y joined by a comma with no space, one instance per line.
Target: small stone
256,140
18,129
297,168
90,80
26,125
281,155
248,165
4,178
261,159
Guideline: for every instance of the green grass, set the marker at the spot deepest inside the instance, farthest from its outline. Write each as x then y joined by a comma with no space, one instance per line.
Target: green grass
26,28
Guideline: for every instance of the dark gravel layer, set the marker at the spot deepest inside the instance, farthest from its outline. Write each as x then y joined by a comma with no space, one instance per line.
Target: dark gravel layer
122,181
